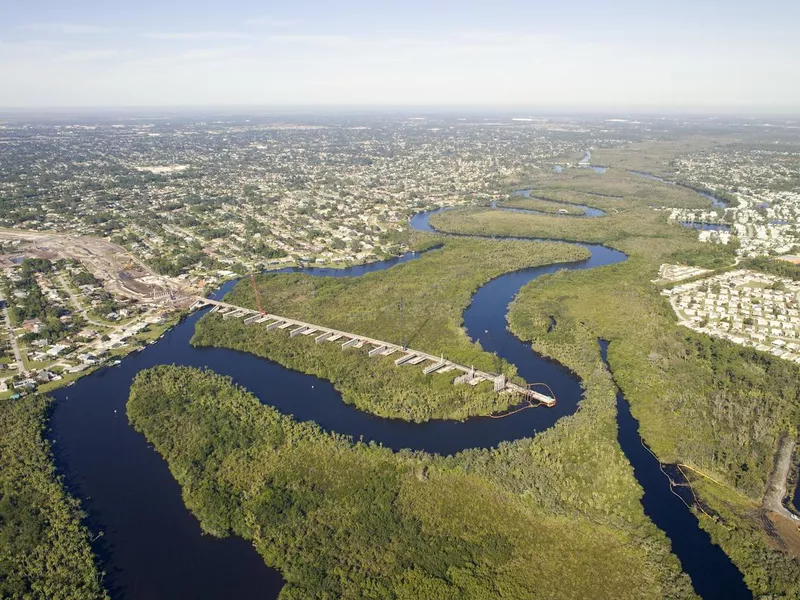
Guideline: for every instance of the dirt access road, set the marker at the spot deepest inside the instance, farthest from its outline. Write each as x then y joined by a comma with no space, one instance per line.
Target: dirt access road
776,485
120,271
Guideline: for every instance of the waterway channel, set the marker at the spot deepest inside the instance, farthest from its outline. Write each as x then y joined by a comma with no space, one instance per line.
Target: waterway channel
712,573
152,546
715,201
586,211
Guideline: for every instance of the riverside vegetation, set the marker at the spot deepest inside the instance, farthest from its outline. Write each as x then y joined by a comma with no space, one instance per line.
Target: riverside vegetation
541,204
556,515
345,519
700,401
44,547
417,304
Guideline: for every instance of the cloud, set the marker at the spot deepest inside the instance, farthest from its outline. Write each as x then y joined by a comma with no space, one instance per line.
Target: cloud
65,28
196,36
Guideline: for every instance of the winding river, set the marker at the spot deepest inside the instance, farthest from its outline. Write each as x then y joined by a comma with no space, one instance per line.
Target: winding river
152,546
715,201
587,211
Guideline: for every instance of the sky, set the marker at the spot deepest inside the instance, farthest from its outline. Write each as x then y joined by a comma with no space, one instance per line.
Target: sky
618,56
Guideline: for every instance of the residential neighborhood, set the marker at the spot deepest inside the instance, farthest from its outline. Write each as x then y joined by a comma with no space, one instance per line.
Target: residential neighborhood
763,211
746,307
59,322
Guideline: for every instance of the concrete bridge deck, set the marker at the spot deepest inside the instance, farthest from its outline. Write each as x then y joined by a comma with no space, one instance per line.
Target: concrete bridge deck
347,340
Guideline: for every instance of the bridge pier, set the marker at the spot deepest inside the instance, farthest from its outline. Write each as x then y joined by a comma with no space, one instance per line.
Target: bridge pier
434,367
404,359
350,343
379,348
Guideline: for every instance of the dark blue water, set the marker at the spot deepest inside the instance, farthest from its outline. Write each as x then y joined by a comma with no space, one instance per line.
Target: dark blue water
796,499
712,573
715,202
705,226
152,546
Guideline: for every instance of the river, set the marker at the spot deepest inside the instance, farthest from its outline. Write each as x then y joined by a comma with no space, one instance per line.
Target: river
712,573
152,546
715,201
587,211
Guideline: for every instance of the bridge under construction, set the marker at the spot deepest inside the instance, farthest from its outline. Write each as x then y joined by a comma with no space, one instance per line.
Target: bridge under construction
429,362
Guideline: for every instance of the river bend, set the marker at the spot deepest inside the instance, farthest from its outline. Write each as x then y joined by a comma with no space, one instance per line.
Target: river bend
152,546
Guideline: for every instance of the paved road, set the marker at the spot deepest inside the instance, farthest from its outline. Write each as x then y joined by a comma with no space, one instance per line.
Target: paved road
776,486
78,306
13,338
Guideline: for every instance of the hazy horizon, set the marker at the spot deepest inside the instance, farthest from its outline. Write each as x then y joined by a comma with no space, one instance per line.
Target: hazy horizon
718,58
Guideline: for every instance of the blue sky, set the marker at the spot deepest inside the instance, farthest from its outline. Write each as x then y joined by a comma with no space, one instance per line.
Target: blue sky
617,56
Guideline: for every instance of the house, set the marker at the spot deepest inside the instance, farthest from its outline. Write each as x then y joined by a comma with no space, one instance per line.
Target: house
56,350
32,325
25,384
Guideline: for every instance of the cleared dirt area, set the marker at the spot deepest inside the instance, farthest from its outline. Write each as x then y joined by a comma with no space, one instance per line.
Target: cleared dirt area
781,526
782,533
120,271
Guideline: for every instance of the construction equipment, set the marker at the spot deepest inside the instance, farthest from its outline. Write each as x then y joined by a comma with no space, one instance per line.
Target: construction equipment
258,296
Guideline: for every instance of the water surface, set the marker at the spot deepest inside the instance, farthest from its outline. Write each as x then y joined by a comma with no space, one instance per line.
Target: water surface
713,574
152,546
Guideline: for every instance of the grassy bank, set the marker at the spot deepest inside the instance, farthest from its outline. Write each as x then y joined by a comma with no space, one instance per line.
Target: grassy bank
350,520
542,205
417,304
44,548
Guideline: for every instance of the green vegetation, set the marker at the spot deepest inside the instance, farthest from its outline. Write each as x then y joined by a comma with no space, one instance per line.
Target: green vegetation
344,519
614,189
44,548
417,304
176,265
32,304
542,205
700,401
26,301
781,268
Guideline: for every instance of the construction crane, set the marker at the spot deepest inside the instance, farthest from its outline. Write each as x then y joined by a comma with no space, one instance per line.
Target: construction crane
258,296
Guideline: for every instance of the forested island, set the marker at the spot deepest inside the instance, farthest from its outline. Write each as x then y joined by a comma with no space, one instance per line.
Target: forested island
345,519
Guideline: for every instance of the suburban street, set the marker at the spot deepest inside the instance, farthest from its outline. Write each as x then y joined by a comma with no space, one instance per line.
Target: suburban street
12,339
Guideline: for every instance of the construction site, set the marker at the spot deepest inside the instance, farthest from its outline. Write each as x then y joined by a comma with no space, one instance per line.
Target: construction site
121,273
